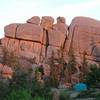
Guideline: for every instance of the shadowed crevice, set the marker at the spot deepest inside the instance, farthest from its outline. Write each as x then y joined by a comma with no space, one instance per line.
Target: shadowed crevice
47,41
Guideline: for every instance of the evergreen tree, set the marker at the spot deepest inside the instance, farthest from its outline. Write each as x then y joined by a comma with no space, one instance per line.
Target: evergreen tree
84,63
71,60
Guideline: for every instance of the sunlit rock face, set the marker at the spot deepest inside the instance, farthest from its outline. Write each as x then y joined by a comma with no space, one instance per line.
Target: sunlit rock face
39,38
84,36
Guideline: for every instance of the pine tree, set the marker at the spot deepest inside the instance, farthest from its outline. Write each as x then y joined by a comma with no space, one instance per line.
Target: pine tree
84,63
72,60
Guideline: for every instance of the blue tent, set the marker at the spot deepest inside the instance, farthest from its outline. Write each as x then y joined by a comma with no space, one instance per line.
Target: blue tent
80,87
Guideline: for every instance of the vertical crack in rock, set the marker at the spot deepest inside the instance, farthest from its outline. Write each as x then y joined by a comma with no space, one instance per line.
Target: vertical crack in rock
16,31
66,38
47,41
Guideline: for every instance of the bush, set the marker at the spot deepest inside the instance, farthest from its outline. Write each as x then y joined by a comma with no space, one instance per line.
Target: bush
4,88
92,93
21,94
41,91
19,79
92,78
39,98
10,59
85,94
64,95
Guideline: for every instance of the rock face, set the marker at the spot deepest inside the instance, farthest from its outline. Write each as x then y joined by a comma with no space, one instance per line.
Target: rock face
84,36
10,30
29,32
40,39
34,39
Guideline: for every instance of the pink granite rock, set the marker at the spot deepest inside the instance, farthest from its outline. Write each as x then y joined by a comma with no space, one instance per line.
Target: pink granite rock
10,30
34,20
30,50
61,20
13,46
84,35
1,53
4,41
47,22
33,40
57,35
63,28
26,49
7,72
30,32
1,67
52,50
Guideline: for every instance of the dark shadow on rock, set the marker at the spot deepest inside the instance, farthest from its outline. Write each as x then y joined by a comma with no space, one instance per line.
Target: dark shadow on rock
95,52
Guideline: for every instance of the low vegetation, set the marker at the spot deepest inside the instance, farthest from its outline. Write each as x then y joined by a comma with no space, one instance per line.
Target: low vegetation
24,85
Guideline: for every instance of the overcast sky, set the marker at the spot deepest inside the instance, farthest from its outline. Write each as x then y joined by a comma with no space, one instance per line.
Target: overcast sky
18,11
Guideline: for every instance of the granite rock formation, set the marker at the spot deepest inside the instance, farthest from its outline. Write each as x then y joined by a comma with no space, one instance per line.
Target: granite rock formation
40,38
36,38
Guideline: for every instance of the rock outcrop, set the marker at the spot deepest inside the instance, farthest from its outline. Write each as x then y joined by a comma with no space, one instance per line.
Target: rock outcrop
35,39
40,38
84,36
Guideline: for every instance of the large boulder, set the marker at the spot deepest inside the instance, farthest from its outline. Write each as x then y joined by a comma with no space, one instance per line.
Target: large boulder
10,30
29,32
84,36
47,22
57,35
34,20
61,20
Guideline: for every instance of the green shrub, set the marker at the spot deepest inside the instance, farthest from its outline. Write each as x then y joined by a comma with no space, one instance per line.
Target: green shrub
4,88
10,58
41,91
85,94
64,95
98,97
92,78
92,93
21,94
19,79
39,98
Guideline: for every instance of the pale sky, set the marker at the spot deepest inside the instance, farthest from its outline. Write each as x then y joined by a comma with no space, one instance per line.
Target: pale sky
18,11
